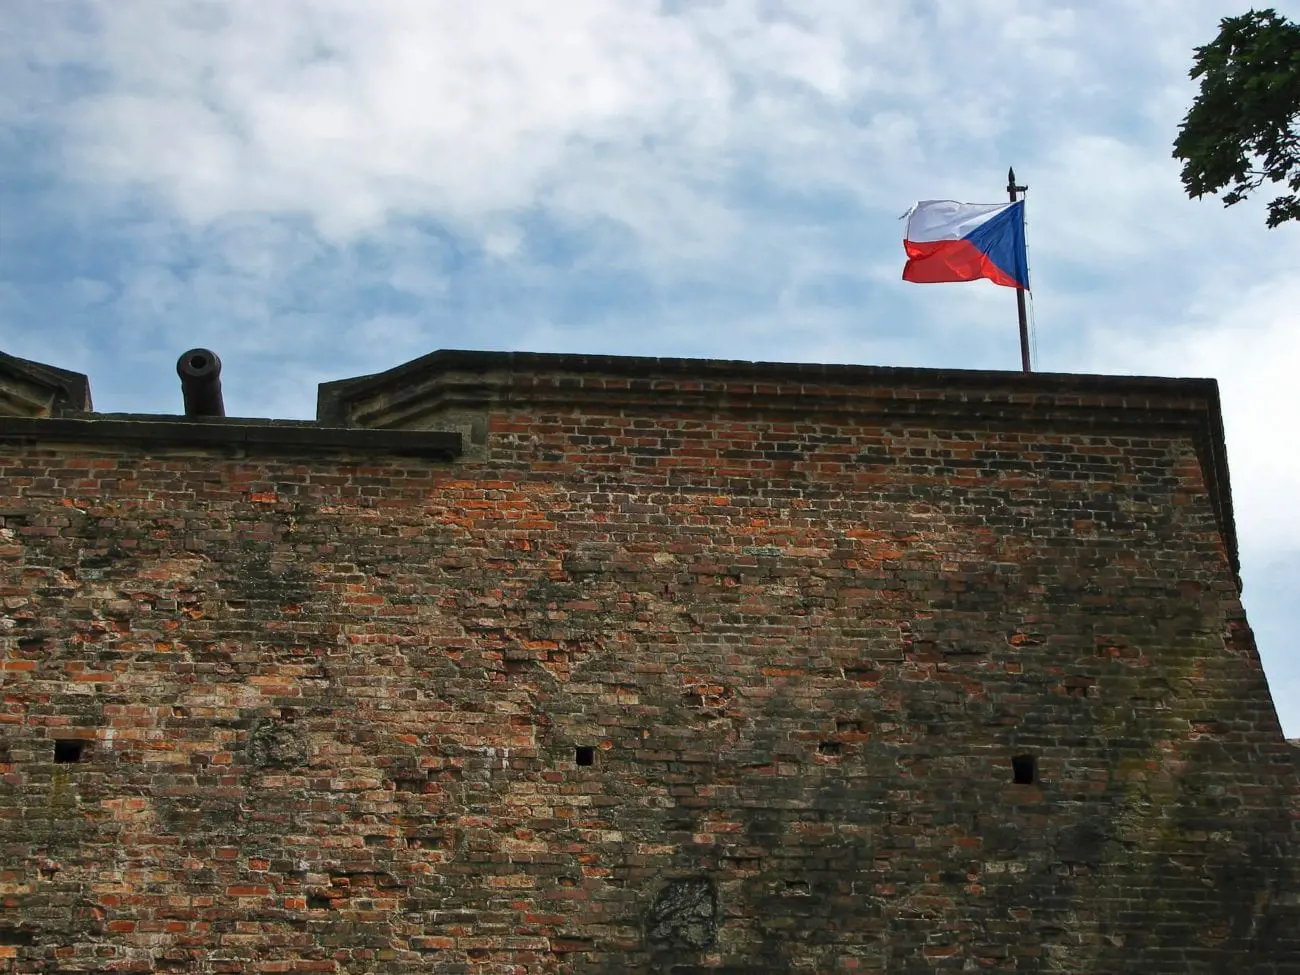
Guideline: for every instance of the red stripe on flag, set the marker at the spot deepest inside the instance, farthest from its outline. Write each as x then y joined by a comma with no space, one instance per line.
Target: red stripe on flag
942,261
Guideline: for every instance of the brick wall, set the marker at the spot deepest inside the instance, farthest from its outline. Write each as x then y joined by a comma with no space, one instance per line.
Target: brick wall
723,680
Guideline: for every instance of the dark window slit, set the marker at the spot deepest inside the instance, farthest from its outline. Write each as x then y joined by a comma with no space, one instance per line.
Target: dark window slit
68,750
1024,770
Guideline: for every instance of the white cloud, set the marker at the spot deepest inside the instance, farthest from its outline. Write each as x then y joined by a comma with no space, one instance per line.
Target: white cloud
351,115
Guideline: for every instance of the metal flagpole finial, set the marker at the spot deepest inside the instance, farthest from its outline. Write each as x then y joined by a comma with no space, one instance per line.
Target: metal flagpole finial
1012,188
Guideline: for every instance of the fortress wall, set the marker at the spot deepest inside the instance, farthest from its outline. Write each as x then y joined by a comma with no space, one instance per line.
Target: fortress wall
643,685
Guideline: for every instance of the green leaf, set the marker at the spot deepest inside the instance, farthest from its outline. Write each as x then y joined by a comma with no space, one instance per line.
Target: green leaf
1241,128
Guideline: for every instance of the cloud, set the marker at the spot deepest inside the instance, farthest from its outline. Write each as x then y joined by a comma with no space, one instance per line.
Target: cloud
352,116
254,156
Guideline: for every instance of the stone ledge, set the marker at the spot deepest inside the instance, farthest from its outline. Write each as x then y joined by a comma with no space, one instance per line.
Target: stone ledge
446,380
254,435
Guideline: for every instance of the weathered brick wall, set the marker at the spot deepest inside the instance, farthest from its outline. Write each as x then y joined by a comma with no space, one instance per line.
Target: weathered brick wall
337,710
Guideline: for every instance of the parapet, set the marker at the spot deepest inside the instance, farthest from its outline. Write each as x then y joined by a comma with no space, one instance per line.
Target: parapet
447,403
463,391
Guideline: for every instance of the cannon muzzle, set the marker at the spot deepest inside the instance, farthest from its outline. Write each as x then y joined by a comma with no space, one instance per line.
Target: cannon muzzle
200,372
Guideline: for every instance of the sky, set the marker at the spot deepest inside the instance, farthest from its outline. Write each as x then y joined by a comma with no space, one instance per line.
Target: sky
318,189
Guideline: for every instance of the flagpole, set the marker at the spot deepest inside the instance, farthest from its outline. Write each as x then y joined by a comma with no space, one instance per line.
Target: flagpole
1012,189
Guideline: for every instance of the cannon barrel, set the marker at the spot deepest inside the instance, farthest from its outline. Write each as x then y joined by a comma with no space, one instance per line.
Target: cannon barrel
200,372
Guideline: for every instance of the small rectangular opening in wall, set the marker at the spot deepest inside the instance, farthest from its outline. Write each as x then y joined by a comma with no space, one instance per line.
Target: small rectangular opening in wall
17,935
830,748
1024,769
584,755
68,750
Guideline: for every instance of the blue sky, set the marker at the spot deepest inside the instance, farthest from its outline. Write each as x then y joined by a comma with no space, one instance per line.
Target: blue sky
323,188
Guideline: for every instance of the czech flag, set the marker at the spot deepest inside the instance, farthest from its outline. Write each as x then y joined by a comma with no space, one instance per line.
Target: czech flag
949,241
